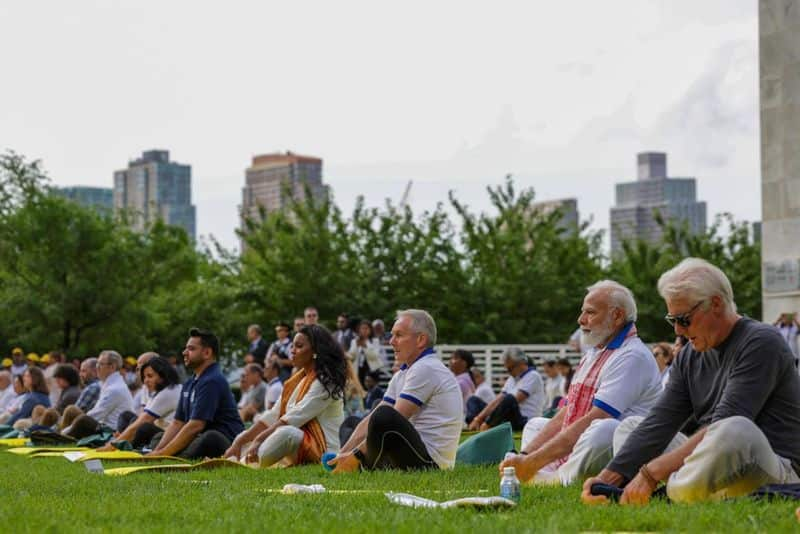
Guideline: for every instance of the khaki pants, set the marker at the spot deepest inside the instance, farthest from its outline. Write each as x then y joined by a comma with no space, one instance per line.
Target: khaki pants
733,459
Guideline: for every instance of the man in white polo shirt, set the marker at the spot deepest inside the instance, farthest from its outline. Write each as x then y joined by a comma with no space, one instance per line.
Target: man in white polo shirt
418,423
616,378
521,398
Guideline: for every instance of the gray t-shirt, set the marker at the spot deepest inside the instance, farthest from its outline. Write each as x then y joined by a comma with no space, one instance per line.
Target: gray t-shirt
751,374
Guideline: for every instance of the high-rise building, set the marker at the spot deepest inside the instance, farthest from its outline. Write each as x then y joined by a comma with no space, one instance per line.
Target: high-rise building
779,65
154,187
568,207
273,179
99,198
637,203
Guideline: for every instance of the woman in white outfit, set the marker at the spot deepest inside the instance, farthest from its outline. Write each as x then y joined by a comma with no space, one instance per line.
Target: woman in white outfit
304,424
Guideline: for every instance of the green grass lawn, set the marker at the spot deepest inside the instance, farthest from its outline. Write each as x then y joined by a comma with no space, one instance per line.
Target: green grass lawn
53,495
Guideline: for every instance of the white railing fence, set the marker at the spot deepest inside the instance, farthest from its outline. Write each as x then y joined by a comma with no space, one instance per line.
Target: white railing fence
488,358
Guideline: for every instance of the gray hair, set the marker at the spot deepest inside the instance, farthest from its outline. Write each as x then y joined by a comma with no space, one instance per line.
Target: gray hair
377,322
515,354
255,328
90,362
619,297
696,280
421,323
113,358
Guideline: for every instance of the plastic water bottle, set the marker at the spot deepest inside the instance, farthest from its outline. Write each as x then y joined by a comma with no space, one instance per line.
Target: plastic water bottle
509,485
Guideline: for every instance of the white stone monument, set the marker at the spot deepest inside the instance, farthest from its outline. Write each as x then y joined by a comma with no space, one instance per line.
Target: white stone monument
779,55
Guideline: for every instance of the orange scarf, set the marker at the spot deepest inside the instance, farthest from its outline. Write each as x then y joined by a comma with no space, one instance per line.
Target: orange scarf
314,443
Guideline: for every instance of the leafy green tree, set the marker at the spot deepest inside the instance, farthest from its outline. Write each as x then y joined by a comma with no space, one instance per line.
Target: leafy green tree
726,244
74,279
527,275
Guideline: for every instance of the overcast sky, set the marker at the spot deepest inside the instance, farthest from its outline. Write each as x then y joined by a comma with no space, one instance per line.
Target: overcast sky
452,95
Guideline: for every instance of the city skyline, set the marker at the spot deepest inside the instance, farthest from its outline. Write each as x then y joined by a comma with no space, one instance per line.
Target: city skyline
561,102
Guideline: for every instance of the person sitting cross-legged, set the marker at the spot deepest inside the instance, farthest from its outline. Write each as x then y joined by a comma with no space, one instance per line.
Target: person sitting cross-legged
736,378
115,398
206,419
37,395
304,424
418,423
163,394
616,378
521,398
254,391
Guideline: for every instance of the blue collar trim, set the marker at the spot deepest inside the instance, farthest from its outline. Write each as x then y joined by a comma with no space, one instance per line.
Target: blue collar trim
619,338
426,352
271,382
528,370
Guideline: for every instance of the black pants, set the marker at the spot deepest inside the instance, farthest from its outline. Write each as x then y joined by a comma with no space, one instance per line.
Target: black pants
208,444
144,435
125,419
507,410
394,443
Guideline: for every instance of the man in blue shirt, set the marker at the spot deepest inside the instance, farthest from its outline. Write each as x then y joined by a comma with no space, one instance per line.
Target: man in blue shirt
206,420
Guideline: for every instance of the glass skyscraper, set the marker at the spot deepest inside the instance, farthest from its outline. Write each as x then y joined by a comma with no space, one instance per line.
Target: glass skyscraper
154,187
633,216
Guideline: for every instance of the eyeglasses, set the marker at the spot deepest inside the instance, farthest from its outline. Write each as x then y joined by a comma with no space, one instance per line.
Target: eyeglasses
684,318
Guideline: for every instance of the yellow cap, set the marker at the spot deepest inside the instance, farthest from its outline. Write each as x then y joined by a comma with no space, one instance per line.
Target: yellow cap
16,351
45,358
130,360
7,362
33,357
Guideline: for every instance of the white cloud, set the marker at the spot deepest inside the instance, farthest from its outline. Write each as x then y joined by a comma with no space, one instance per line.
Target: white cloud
452,95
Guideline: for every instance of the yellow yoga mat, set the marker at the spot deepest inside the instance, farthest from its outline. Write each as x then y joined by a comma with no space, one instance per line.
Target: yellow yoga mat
206,464
35,450
13,442
125,456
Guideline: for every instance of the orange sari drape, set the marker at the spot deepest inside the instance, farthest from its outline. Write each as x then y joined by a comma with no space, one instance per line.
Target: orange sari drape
314,443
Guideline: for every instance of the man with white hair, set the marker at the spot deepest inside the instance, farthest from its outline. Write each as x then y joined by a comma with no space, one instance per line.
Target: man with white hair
115,398
616,378
418,423
521,398
736,378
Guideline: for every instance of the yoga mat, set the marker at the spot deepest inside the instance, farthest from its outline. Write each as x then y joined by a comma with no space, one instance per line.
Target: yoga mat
125,456
13,442
33,450
204,465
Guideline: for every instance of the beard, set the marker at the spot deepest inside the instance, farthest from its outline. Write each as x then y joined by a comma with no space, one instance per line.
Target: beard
600,334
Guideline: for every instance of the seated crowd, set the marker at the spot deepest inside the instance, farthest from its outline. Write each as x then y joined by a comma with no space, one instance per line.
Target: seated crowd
712,415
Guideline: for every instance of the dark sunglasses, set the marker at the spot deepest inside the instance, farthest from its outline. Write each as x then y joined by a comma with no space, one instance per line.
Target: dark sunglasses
684,318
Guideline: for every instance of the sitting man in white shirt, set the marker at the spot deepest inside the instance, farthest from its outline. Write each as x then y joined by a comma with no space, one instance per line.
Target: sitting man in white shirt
483,389
418,423
615,379
521,398
115,398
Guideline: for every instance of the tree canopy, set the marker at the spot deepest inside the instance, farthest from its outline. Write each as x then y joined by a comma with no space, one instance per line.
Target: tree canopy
79,280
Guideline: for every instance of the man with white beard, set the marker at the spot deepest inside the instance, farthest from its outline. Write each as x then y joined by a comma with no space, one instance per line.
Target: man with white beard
616,378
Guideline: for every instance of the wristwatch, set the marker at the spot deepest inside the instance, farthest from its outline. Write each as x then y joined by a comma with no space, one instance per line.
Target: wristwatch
359,455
